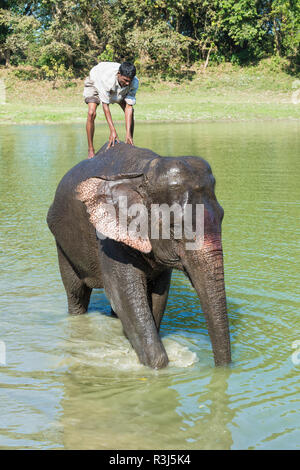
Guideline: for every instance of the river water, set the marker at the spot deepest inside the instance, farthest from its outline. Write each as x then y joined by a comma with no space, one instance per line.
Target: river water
75,383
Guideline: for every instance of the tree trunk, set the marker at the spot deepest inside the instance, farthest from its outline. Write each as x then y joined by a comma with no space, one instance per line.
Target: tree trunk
207,58
7,58
276,37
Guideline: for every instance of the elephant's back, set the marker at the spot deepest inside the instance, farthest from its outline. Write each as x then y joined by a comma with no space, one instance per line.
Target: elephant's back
122,159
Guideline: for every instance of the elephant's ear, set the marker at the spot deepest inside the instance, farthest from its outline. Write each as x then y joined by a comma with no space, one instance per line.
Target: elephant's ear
112,205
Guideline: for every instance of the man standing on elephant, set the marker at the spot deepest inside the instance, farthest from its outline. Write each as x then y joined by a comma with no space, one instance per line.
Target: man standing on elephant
108,83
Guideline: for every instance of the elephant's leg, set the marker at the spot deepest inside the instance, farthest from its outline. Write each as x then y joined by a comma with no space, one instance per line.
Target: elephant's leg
78,293
126,288
159,290
138,322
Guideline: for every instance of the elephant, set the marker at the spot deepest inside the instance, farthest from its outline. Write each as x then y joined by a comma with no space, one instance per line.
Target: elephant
135,271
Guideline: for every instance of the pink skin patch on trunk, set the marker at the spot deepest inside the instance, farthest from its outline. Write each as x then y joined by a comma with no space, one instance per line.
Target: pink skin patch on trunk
211,240
212,233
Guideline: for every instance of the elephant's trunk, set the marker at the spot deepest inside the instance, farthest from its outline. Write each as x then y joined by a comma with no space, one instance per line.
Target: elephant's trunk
204,268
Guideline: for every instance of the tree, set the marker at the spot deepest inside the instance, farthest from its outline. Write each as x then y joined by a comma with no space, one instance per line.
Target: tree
18,37
160,36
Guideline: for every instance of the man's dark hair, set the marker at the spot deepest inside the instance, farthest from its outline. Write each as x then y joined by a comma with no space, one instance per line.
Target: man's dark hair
127,70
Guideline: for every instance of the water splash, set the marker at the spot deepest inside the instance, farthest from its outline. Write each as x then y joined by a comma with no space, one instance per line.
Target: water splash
107,347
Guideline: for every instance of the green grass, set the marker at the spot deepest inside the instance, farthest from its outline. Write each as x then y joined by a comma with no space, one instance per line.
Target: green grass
221,93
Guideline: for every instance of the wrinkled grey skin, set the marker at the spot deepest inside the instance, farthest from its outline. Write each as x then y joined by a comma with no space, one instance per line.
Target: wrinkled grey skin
136,279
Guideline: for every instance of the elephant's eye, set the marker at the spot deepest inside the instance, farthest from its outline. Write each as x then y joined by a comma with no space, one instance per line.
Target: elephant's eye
198,188
174,186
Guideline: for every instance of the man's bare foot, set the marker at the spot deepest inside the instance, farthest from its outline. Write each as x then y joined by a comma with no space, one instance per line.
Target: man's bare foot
91,153
129,140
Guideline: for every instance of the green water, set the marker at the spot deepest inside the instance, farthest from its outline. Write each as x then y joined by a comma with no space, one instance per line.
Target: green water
74,382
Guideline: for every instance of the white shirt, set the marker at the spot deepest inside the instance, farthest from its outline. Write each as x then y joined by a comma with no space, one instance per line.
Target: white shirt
105,80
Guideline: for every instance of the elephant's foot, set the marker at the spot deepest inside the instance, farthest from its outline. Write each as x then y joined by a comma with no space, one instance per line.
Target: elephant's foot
76,311
154,359
79,305
150,353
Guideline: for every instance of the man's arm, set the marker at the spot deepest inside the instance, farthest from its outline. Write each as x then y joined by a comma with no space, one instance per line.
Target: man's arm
129,123
127,106
113,134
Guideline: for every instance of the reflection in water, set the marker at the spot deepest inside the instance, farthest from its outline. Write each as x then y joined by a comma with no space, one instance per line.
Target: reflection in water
103,374
74,382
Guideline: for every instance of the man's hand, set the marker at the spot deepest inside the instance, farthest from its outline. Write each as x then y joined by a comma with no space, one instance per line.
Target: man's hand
129,140
112,139
113,135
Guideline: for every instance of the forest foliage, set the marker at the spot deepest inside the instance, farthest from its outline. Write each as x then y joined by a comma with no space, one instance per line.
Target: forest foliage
51,39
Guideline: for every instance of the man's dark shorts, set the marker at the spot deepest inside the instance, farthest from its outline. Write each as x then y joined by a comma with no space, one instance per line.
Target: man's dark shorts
90,92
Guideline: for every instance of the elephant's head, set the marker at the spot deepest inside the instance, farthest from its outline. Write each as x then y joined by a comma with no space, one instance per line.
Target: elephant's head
183,181
189,181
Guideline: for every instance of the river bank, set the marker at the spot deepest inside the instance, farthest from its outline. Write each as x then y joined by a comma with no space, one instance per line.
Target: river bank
221,93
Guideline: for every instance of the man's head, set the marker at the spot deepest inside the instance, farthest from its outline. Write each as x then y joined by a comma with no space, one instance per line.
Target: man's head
126,73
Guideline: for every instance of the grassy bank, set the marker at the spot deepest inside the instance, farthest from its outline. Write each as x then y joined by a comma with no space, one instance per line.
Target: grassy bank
221,93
